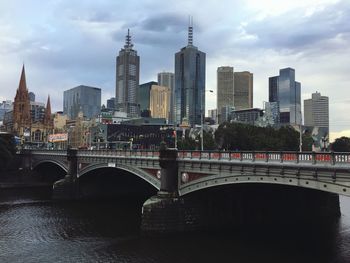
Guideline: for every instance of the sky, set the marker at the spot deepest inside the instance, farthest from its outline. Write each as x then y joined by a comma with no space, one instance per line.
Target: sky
68,43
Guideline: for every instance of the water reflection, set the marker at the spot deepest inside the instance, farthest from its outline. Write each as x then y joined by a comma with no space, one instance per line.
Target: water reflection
45,231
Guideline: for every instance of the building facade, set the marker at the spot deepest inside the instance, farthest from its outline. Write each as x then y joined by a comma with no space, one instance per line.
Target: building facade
160,102
248,116
243,90
287,92
144,94
225,89
82,98
316,111
189,83
127,79
167,79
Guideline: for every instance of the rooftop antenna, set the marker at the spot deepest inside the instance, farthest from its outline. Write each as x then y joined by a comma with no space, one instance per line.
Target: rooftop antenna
190,31
128,43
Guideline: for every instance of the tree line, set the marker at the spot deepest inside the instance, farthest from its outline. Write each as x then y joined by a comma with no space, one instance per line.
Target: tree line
244,137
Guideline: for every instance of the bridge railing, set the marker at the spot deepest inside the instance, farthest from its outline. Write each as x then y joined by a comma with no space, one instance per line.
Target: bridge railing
260,156
119,153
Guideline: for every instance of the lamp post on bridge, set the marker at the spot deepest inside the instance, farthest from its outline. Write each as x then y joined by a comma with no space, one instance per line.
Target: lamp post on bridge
202,117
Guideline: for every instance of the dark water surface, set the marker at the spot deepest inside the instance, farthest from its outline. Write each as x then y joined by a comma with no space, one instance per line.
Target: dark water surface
37,230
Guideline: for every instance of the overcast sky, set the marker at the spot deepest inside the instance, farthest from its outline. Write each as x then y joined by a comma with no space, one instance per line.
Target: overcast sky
67,43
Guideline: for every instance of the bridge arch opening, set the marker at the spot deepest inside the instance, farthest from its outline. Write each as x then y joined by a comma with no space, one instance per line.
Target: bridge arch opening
49,172
254,204
111,182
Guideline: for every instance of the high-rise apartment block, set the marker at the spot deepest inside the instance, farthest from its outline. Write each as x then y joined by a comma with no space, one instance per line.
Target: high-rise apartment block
243,90
167,79
82,98
189,83
286,91
127,79
316,111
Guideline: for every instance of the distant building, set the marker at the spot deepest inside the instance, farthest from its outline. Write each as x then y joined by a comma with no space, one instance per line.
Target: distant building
213,114
226,113
144,95
316,111
167,79
225,89
111,104
5,106
284,90
160,102
37,111
243,90
189,83
82,98
248,116
316,120
31,96
127,79
272,113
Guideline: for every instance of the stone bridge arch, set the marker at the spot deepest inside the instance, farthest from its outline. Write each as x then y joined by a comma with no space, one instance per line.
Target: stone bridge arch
152,180
62,165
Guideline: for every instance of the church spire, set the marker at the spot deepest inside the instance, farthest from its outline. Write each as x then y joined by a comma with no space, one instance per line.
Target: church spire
190,31
22,83
47,117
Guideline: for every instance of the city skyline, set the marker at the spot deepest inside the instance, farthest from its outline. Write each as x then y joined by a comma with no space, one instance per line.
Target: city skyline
72,44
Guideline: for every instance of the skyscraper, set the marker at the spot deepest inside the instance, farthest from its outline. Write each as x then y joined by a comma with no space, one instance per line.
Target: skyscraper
82,98
225,88
243,90
316,111
166,79
286,91
160,102
127,79
189,83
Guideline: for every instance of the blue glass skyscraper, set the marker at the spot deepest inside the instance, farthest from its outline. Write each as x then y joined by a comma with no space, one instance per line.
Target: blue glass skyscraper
189,83
287,92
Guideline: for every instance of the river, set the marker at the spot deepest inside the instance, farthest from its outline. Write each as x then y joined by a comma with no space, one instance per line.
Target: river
41,230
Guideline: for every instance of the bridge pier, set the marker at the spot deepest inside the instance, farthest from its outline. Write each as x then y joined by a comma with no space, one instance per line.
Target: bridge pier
167,212
66,188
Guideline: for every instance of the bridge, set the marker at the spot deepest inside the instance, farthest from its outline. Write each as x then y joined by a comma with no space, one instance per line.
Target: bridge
178,175
196,170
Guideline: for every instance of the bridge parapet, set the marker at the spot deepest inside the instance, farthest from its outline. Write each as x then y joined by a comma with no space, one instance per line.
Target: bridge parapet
316,158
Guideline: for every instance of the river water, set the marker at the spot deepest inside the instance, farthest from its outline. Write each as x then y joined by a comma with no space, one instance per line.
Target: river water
39,230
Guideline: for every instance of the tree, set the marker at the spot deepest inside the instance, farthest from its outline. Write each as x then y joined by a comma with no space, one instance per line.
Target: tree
244,137
7,150
341,144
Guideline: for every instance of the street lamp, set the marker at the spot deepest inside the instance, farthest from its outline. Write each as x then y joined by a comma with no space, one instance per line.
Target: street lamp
202,117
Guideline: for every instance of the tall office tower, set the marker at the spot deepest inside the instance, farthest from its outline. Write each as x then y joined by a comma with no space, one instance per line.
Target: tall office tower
225,90
316,111
286,91
160,102
189,83
243,90
82,98
127,79
167,79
